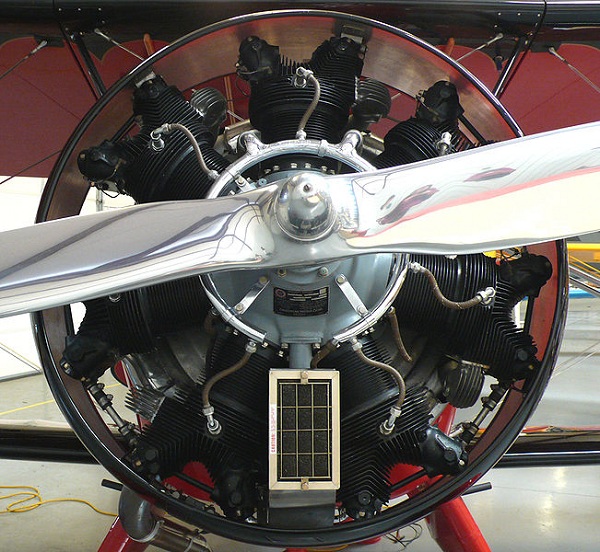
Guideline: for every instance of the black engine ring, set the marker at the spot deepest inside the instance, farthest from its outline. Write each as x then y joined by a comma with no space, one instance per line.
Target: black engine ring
51,325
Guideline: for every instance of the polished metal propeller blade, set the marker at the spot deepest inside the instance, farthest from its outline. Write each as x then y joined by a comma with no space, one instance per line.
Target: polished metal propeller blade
518,192
78,258
523,191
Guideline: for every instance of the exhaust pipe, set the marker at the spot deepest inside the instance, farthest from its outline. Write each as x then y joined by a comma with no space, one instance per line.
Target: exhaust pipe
143,525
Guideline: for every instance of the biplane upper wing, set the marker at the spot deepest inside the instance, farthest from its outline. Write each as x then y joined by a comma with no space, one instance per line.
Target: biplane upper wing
53,65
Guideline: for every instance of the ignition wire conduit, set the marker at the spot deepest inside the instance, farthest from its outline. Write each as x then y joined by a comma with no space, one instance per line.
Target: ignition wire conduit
391,314
213,425
301,78
158,144
483,297
386,426
322,353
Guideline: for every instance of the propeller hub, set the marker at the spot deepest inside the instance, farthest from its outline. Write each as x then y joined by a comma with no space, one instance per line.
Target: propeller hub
304,209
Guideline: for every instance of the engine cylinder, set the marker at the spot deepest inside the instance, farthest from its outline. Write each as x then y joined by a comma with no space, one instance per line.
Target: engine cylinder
276,106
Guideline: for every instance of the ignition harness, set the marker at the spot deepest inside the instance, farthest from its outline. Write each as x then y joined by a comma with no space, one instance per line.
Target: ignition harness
212,424
391,314
322,353
387,426
158,144
301,79
482,297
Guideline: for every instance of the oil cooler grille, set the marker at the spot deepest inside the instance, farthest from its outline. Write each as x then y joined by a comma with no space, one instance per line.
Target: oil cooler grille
304,429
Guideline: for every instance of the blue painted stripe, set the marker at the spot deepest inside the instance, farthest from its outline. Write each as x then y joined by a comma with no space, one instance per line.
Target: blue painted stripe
575,293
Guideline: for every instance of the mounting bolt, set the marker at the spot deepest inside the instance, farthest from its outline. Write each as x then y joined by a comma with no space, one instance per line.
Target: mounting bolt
239,307
341,279
323,272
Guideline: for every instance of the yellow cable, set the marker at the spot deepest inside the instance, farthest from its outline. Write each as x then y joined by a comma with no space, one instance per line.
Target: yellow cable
20,506
26,407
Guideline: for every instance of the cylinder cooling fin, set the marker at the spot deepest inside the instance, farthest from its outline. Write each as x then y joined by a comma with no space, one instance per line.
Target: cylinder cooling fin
290,399
276,106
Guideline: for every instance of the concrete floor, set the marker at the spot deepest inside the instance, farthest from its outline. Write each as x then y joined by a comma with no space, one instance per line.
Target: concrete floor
550,509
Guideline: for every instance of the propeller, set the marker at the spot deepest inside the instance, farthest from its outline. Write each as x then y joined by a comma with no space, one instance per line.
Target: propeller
522,191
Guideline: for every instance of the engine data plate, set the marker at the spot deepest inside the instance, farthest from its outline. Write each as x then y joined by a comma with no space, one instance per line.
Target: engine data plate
301,302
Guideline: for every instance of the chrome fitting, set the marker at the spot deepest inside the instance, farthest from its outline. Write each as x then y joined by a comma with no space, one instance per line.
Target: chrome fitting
388,425
355,344
301,77
416,267
351,141
251,347
212,424
444,144
487,295
212,174
249,141
156,141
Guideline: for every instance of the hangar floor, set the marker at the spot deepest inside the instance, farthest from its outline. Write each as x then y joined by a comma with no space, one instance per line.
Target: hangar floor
550,509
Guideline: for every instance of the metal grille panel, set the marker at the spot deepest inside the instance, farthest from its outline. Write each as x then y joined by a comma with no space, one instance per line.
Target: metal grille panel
304,447
304,431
